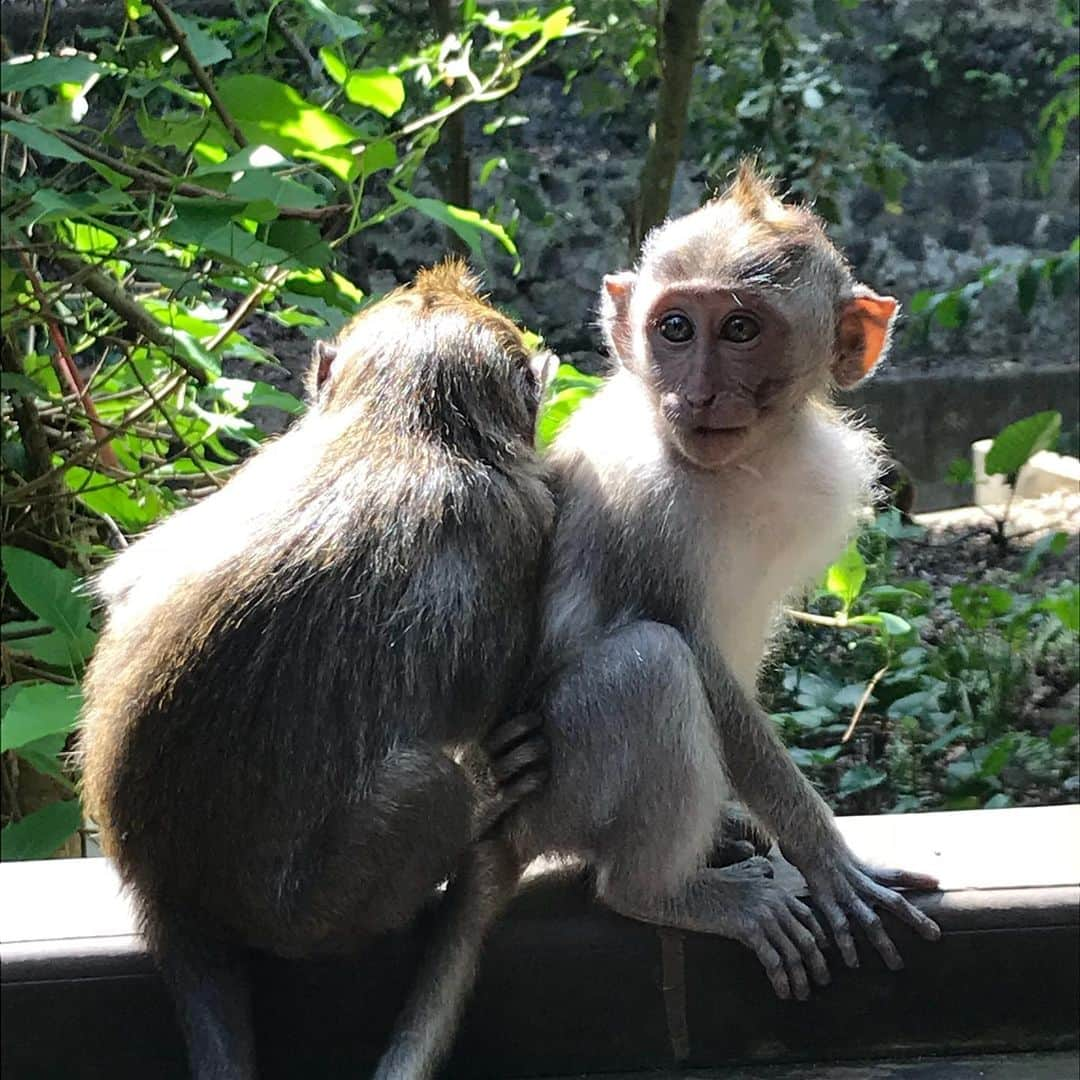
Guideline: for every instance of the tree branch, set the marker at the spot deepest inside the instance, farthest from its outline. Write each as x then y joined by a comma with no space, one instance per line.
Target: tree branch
176,32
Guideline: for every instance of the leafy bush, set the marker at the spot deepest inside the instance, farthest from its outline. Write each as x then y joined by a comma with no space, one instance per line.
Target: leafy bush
159,194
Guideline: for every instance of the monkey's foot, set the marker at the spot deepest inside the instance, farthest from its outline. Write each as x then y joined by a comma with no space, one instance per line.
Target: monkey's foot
518,755
743,903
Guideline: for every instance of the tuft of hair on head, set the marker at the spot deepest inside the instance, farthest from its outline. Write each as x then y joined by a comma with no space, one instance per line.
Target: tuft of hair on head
449,278
752,190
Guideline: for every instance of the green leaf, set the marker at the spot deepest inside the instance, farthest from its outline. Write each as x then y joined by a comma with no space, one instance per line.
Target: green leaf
38,835
271,112
44,756
811,719
1017,443
37,710
1062,734
19,75
50,646
208,49
556,411
997,756
1052,544
978,605
848,696
1027,287
44,142
859,778
240,394
960,472
378,155
336,68
1065,605
772,61
49,592
846,576
377,89
103,495
894,624
341,26
467,224
812,98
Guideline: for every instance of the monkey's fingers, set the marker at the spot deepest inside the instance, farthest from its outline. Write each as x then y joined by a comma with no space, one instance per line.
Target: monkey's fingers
504,735
838,923
807,918
900,907
780,933
900,879
529,754
874,929
771,961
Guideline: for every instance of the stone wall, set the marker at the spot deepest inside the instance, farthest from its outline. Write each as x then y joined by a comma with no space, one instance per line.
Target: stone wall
957,86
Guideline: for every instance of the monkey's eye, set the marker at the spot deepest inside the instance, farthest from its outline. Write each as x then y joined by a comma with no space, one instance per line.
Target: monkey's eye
676,328
740,328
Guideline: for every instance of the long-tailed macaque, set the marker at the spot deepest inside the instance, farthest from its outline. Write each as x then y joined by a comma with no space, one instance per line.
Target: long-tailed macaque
290,666
707,481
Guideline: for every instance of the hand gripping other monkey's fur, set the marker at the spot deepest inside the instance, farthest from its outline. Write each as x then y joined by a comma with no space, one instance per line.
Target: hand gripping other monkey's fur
707,481
288,667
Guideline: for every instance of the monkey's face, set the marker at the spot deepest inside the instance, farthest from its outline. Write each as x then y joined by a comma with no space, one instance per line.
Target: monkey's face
730,365
721,364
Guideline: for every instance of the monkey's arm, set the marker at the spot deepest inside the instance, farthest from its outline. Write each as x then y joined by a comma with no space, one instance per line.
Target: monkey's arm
778,794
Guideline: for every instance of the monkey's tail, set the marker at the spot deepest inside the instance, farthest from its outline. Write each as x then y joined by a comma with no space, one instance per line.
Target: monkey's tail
209,982
473,901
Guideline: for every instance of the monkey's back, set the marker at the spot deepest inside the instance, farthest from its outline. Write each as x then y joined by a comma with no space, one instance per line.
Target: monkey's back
231,714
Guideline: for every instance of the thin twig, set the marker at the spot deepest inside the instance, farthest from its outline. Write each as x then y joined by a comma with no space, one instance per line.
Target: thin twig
862,702
169,184
177,33
113,296
273,276
296,43
828,620
66,363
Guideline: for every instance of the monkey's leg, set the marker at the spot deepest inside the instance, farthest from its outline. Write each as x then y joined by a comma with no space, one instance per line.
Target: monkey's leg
209,983
385,853
637,786
477,893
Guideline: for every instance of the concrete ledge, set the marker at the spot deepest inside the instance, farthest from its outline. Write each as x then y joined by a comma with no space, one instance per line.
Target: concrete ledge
929,420
567,988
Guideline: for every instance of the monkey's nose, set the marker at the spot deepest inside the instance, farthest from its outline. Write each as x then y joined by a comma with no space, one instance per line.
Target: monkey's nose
699,399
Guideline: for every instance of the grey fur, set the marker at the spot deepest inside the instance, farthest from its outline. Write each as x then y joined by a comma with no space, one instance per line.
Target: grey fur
270,724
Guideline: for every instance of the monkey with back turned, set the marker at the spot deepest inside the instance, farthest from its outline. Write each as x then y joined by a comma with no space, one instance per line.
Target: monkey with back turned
288,667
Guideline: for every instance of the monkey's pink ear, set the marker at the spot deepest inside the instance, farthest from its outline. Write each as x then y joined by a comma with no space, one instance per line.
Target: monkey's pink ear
866,322
323,356
615,312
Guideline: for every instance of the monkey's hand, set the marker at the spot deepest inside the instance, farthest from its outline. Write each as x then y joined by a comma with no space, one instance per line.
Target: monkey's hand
846,891
517,757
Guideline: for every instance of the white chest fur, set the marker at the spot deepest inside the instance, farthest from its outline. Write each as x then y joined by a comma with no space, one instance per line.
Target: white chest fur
777,522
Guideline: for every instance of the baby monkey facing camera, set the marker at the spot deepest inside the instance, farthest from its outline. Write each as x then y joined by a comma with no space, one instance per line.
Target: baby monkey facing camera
290,667
708,481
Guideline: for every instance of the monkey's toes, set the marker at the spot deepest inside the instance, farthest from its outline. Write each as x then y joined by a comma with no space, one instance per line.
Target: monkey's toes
757,866
730,852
